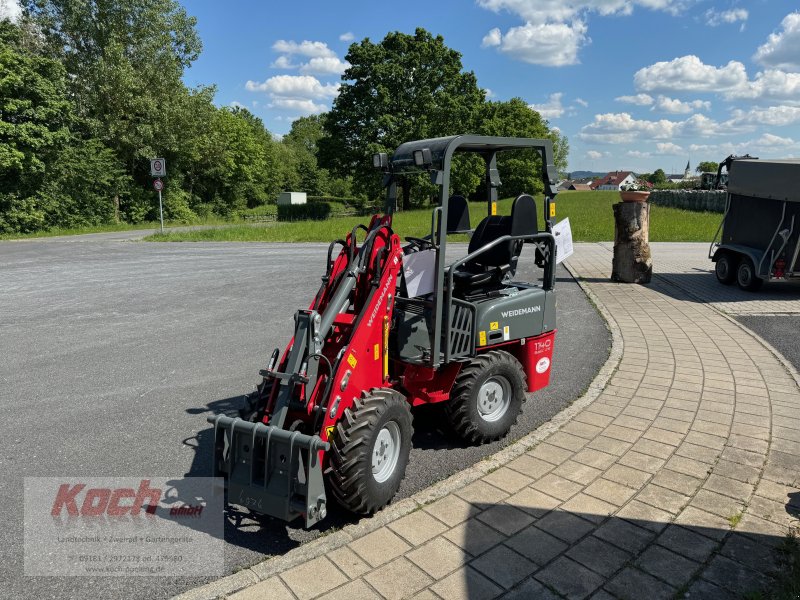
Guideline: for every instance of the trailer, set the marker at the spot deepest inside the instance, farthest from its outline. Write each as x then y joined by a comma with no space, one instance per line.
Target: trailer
760,230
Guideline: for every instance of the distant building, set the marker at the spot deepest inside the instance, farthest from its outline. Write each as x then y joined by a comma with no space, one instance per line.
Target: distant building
681,177
575,184
613,181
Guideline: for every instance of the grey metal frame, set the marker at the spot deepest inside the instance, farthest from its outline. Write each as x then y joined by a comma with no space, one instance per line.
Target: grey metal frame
442,151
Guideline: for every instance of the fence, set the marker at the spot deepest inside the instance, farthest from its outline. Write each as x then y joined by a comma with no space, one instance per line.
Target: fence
696,200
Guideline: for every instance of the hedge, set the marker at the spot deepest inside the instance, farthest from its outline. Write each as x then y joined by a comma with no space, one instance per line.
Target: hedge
696,200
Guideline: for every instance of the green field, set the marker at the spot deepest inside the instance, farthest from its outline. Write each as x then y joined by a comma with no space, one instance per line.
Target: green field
590,216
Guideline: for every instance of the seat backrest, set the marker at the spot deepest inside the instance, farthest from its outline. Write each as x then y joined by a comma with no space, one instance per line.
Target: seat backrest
488,230
524,221
524,218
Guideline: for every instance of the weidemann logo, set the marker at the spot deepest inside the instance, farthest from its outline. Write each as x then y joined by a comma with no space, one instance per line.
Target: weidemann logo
521,311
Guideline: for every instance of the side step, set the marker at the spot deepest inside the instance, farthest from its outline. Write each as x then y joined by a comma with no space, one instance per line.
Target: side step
270,470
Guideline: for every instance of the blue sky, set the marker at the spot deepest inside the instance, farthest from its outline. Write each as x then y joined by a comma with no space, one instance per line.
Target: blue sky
638,84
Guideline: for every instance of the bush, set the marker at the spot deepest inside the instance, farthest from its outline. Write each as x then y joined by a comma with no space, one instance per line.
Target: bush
313,211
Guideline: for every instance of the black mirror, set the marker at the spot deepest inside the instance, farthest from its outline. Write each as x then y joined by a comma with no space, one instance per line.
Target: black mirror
380,160
422,158
457,215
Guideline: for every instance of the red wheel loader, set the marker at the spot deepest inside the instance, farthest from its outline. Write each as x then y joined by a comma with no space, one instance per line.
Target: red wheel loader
394,326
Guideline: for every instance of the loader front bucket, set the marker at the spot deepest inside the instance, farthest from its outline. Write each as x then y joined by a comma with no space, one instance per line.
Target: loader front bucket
270,470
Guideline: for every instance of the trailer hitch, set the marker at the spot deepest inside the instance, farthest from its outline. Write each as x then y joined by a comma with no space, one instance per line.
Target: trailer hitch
270,470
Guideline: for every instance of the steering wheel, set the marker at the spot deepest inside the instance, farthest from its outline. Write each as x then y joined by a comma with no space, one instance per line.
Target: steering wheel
419,242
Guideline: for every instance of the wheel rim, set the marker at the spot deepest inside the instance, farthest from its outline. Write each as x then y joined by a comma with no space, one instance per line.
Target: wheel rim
745,276
494,398
723,268
386,452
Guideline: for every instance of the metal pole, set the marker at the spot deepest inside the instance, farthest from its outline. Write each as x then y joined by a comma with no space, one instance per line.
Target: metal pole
161,211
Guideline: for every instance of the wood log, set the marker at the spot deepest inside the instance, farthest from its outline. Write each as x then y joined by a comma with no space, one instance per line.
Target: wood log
632,261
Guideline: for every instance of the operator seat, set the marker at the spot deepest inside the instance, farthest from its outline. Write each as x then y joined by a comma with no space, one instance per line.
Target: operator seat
487,270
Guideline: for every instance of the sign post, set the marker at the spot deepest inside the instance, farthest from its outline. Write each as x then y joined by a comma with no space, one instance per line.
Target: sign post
159,185
158,169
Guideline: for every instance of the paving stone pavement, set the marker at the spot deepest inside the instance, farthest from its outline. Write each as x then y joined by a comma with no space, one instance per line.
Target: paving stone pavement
679,477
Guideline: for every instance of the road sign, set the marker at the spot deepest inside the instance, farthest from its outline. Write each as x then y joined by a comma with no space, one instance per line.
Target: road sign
158,185
158,167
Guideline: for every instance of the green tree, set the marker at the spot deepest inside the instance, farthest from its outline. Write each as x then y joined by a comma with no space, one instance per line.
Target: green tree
707,166
658,177
521,170
125,59
402,88
34,119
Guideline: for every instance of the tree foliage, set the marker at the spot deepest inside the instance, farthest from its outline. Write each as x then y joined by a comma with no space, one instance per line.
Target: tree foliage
403,88
707,166
91,90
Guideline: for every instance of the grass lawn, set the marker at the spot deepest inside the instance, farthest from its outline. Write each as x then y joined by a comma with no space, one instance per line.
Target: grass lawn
108,228
589,213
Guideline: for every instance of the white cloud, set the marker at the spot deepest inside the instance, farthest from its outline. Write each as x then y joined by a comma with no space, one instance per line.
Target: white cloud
769,140
347,37
236,104
10,9
298,93
493,38
771,84
594,154
622,128
489,93
303,86
329,65
782,49
675,106
304,48
552,109
668,149
638,99
777,116
689,73
714,18
767,146
555,30
541,11
547,44
283,62
302,105
638,154
582,102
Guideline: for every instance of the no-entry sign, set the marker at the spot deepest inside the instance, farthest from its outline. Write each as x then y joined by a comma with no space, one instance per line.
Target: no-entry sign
158,167
158,185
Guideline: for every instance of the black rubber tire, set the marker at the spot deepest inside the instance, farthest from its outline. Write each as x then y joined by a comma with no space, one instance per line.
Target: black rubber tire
726,267
350,478
462,409
746,276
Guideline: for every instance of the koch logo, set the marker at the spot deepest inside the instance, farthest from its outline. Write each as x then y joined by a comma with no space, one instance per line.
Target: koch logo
96,502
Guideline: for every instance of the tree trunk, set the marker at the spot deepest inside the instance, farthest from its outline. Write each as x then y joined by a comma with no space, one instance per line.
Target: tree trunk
632,260
116,209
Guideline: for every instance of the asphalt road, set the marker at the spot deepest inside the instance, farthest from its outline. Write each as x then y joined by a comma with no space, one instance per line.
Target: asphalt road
114,352
781,331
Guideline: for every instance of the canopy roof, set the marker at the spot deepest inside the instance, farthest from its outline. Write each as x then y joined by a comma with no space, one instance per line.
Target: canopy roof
443,148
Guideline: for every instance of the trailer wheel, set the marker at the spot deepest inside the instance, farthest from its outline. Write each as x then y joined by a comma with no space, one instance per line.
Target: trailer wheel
746,275
369,451
725,268
487,397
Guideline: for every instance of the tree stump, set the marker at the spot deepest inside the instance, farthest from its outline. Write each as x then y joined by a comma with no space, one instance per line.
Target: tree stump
632,261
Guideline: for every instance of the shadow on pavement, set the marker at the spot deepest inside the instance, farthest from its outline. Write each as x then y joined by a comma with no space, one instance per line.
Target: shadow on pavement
520,552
